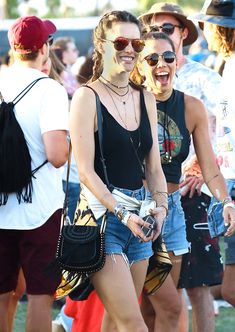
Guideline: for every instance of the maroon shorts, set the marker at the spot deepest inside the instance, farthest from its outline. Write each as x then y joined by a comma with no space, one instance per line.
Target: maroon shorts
32,250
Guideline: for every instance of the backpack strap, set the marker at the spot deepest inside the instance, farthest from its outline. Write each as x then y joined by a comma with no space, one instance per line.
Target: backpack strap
26,90
17,99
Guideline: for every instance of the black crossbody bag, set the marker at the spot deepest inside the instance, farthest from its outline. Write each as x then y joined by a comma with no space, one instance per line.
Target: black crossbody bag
81,248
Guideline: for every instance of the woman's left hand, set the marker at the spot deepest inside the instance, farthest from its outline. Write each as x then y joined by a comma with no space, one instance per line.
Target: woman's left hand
159,214
229,219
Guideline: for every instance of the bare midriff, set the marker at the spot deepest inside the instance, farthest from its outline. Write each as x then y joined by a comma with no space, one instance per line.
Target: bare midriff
172,187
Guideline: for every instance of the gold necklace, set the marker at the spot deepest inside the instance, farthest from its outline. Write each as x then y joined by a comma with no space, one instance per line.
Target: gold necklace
116,86
120,95
125,125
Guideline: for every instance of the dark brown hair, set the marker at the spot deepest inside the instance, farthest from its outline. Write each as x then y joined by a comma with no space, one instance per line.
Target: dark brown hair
135,76
106,23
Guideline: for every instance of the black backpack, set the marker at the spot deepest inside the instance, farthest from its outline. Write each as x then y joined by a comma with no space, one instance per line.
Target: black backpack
15,160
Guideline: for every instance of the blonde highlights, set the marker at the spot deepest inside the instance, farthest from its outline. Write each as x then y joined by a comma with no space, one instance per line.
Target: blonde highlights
223,40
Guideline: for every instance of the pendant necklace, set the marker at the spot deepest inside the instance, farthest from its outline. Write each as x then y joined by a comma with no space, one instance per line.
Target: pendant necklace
116,86
118,94
124,121
167,157
135,148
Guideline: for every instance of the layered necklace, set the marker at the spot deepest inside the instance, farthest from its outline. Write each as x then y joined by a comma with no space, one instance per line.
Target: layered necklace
110,86
124,121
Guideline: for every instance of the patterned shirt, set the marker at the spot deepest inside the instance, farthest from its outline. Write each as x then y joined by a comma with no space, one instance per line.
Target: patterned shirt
225,122
203,83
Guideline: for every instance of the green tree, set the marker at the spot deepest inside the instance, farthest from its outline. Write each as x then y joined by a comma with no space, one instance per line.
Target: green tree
10,9
53,8
144,5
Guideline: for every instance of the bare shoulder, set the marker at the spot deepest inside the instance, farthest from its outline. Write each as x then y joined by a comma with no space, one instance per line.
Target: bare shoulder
83,100
150,101
194,108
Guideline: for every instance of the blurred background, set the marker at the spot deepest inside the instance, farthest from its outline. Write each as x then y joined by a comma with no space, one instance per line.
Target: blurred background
75,18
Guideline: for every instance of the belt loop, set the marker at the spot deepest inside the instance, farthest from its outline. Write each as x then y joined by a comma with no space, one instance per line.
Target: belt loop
170,196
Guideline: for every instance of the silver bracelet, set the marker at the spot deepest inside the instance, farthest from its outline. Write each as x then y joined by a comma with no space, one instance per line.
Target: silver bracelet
126,216
122,213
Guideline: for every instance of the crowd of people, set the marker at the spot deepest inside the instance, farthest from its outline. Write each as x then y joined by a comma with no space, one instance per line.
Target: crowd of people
167,137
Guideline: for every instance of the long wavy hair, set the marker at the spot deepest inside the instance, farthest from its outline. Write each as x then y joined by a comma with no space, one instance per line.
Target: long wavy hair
136,78
223,39
106,23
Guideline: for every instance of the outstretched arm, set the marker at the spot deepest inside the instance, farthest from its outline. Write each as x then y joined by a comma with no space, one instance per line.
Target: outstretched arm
210,171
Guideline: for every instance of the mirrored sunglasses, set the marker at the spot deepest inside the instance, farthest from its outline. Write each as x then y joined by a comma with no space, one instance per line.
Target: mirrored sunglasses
167,28
120,43
168,57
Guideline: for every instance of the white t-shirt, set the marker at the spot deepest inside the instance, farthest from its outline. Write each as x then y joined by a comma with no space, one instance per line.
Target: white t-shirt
44,108
225,130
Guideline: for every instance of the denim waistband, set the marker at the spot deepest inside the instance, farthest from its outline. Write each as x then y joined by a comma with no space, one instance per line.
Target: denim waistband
174,197
137,193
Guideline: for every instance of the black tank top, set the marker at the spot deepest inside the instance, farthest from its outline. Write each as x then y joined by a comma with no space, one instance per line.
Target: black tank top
173,136
123,168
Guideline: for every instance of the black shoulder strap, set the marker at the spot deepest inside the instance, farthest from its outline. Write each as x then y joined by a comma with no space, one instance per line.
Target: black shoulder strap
26,90
100,133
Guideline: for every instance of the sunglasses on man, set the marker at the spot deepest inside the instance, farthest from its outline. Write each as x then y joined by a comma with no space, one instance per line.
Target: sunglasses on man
120,43
167,56
167,28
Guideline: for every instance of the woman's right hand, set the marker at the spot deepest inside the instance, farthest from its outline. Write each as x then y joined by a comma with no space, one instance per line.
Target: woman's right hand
135,223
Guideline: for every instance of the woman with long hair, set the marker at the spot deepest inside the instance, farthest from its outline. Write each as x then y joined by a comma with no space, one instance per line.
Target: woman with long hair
129,140
179,117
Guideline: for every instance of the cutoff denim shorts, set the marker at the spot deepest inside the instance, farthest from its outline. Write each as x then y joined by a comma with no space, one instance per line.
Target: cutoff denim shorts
120,240
174,228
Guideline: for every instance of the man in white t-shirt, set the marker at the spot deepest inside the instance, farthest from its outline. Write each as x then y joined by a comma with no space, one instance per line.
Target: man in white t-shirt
217,19
29,231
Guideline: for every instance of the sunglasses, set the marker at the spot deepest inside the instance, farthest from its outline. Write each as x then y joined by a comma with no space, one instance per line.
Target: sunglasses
50,40
168,57
167,28
120,43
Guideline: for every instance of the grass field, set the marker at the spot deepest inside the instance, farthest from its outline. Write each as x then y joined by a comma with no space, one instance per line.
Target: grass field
225,322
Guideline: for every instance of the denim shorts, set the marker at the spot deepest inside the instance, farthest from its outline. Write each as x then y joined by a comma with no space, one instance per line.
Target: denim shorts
120,240
174,229
229,241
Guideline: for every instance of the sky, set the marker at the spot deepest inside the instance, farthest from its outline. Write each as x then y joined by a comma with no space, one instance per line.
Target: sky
81,6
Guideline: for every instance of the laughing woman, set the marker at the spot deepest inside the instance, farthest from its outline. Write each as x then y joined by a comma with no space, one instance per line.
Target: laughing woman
179,117
129,139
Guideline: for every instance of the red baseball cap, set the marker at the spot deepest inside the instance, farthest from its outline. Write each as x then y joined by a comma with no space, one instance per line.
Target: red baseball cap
29,33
